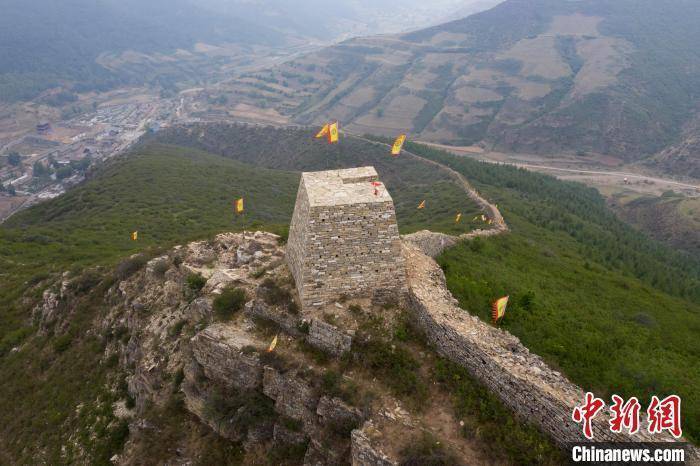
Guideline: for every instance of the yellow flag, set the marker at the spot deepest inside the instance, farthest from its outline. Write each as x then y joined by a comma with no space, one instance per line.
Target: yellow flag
134,235
271,348
239,206
483,218
458,218
323,131
498,308
333,133
398,144
421,205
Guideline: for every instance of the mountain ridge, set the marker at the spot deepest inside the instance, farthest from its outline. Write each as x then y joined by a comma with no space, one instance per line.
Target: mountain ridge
537,76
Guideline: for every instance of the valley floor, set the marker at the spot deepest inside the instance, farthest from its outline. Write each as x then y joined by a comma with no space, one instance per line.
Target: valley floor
606,174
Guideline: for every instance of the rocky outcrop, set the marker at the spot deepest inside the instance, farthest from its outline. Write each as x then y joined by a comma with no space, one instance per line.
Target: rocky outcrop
367,452
329,338
293,396
290,323
228,354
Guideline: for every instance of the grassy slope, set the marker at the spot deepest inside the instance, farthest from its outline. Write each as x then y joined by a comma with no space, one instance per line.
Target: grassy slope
671,218
170,195
408,181
584,312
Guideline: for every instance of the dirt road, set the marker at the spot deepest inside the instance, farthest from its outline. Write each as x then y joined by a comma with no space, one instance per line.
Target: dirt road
608,181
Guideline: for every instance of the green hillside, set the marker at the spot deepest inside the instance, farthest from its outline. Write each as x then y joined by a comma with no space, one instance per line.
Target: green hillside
614,310
174,194
539,76
169,195
409,181
585,288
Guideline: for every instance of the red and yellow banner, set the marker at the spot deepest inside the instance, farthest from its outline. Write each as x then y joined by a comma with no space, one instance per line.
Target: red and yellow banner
272,346
134,235
239,206
498,308
398,144
333,133
323,132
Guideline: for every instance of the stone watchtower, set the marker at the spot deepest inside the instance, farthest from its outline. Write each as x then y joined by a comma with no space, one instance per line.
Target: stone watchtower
344,239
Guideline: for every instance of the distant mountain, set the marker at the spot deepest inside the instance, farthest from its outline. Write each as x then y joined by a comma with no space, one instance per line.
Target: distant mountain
342,19
47,43
615,77
86,45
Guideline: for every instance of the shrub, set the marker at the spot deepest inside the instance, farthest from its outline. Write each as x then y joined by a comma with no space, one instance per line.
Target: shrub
288,454
318,355
14,338
85,282
258,273
304,327
230,301
62,343
130,266
402,332
241,408
177,381
249,349
497,426
330,383
112,361
176,329
177,261
426,451
273,294
476,244
527,300
292,424
395,366
160,267
195,282
273,359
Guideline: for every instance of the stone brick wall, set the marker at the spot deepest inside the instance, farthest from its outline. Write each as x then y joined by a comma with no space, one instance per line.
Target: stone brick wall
520,379
344,239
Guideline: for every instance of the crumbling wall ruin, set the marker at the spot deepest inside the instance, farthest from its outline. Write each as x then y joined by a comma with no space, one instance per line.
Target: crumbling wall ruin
499,360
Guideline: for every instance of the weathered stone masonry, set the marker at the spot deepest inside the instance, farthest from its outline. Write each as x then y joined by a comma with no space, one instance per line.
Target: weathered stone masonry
519,378
343,239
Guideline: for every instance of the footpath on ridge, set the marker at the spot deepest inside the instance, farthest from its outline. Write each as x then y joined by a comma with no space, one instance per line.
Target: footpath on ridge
522,380
433,243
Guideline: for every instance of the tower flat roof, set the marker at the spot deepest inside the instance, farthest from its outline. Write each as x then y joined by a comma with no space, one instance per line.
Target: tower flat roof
343,187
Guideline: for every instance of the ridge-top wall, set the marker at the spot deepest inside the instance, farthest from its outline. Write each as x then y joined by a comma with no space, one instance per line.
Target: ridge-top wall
500,361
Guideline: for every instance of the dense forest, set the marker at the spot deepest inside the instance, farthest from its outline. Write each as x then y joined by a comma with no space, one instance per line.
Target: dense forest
614,310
